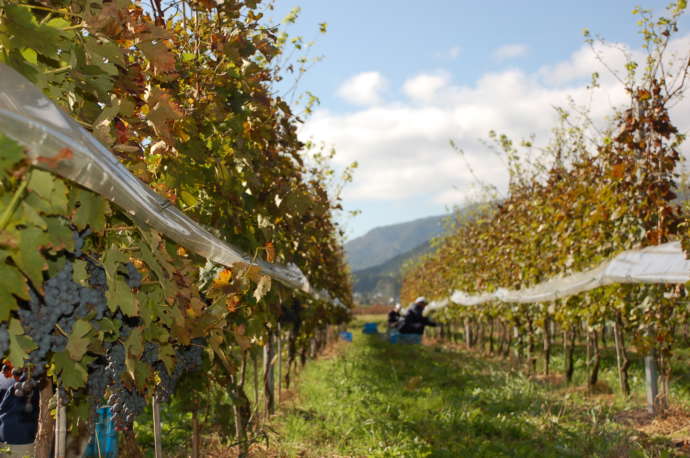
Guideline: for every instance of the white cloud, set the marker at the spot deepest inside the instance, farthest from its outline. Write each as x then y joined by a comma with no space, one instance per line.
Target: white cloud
363,88
510,51
423,87
403,147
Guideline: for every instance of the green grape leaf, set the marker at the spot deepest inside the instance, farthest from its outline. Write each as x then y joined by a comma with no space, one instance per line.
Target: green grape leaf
152,262
79,272
59,234
112,260
12,282
105,49
31,216
106,325
166,353
139,371
135,343
78,343
26,32
51,190
28,258
90,210
20,344
72,373
10,154
120,295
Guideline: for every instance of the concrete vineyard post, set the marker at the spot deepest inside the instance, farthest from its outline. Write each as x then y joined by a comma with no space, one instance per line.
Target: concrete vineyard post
60,428
651,375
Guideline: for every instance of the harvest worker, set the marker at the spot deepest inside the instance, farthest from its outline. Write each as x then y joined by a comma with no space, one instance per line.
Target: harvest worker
18,414
413,322
393,316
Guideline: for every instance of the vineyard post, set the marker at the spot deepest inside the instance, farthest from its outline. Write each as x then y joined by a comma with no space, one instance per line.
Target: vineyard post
468,333
491,336
280,362
255,380
617,343
651,374
269,395
46,427
195,431
156,407
60,428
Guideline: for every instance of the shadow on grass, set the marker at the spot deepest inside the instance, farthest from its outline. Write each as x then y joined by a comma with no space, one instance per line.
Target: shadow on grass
379,399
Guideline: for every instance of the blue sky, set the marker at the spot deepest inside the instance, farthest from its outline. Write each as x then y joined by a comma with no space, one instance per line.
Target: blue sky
401,78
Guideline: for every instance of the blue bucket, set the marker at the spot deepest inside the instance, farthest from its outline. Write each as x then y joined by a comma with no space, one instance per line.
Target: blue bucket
105,436
413,339
346,336
370,328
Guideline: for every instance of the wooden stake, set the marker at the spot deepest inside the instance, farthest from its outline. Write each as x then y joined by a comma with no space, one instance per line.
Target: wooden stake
46,425
156,407
195,433
269,387
280,362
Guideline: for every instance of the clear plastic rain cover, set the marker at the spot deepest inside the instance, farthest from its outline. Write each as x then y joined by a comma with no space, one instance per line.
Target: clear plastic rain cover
34,121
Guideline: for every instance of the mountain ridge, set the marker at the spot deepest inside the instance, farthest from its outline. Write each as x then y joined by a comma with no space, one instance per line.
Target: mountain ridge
384,243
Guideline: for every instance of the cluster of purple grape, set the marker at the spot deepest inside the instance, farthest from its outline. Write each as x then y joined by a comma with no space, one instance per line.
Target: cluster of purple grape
63,303
49,318
125,404
24,388
187,359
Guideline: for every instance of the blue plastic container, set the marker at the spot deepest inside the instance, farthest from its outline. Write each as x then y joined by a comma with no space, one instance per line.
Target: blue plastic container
411,339
105,436
347,336
370,328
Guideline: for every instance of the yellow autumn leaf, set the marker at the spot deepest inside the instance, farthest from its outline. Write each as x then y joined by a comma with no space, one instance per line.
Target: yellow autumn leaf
223,278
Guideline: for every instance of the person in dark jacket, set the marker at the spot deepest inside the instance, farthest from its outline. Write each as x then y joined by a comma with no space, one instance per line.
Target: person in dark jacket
413,322
18,419
393,316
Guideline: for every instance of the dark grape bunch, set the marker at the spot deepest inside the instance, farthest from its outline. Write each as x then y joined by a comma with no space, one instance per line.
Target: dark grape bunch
133,276
187,359
64,302
125,404
24,388
49,318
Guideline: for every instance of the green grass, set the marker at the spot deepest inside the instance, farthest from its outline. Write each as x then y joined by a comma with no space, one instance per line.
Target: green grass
377,399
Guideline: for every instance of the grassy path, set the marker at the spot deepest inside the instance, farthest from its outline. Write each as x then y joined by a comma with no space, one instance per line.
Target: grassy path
377,399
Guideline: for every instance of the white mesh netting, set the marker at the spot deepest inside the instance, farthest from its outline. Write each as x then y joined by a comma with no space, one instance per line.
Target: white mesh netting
655,264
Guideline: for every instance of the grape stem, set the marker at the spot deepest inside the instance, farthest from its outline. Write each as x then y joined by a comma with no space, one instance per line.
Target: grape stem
120,228
5,218
61,330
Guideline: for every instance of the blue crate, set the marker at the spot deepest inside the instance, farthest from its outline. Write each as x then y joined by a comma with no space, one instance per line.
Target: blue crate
411,339
346,336
370,328
105,434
